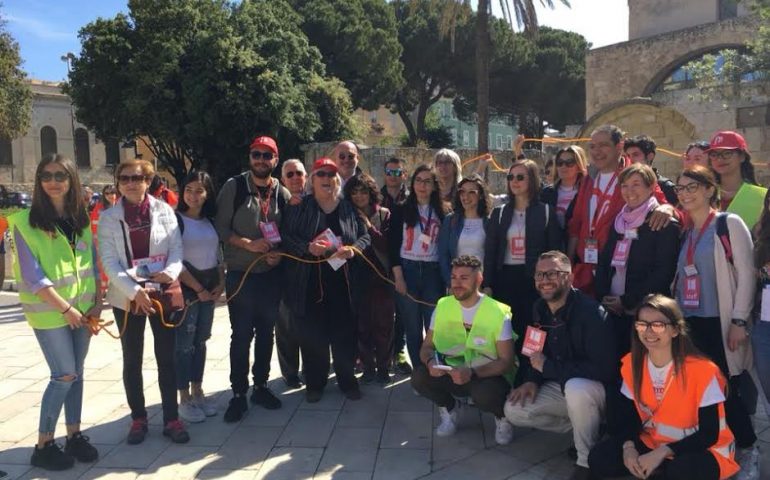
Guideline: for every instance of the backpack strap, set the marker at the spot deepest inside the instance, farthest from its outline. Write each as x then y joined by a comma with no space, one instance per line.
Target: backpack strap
241,193
180,222
723,233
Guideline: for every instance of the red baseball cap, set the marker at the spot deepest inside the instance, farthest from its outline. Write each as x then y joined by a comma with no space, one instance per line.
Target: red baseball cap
324,162
728,140
265,142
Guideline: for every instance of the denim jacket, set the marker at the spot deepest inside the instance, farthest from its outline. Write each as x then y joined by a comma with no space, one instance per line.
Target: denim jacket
448,237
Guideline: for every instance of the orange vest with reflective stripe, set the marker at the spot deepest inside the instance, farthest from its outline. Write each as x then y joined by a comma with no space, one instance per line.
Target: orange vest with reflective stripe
676,417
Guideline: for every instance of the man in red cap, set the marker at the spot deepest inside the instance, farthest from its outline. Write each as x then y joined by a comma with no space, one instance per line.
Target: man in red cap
248,214
729,157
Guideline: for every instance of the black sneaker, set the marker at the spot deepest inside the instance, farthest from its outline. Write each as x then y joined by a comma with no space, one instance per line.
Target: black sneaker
137,432
51,457
368,377
261,395
383,377
236,409
78,447
313,396
176,432
353,394
293,381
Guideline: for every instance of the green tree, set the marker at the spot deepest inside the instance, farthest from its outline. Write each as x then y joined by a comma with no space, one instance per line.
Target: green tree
358,41
15,93
199,78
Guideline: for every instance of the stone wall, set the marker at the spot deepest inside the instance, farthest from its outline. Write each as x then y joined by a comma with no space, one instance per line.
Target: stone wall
653,17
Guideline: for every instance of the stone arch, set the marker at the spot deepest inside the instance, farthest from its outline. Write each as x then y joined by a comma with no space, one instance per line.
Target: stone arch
48,141
82,148
667,70
669,128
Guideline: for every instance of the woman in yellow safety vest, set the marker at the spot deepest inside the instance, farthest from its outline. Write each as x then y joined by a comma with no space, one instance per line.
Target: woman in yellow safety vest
675,405
56,275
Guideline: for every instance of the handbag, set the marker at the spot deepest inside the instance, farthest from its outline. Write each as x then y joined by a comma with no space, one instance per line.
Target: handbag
208,278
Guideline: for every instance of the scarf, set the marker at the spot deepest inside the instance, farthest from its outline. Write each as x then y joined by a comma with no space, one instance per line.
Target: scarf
628,219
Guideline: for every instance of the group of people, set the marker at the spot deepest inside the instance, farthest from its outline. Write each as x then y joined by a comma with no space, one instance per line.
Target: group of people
607,300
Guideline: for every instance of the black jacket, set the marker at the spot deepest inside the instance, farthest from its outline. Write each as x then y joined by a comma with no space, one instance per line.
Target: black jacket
579,342
650,267
667,187
540,236
550,194
302,223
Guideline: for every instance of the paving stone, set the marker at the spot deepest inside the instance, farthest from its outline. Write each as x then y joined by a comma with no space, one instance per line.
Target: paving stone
10,386
246,448
214,474
403,399
342,475
290,463
537,446
110,474
407,430
308,428
401,464
136,456
369,412
332,399
179,462
494,464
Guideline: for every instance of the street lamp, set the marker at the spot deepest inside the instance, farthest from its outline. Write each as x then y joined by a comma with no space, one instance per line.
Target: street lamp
68,58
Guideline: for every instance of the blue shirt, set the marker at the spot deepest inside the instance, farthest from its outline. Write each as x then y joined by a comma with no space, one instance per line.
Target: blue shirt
703,259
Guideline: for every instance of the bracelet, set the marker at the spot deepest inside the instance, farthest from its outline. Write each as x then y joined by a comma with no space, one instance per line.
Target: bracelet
67,310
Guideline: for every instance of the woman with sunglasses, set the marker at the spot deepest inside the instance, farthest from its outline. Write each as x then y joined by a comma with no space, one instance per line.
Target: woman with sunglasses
729,157
413,255
142,231
321,297
571,167
55,269
674,405
517,233
463,231
714,285
635,260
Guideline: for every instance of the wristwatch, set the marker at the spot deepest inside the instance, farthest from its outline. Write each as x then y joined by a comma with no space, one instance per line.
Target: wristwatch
739,323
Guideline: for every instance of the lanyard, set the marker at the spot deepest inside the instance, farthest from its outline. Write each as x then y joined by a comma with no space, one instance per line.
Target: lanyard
601,199
647,409
692,244
264,203
425,229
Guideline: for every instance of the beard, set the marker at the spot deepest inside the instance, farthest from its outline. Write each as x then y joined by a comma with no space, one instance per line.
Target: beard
557,294
261,171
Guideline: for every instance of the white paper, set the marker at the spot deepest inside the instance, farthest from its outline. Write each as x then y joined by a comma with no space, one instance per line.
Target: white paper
764,314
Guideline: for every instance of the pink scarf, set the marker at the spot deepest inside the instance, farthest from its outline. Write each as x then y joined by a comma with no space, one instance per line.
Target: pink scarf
629,219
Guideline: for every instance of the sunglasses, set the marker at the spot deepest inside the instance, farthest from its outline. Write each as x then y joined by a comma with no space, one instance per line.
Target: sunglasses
349,156
124,179
60,177
519,177
722,154
566,163
551,275
325,174
298,173
424,181
657,326
256,155
393,172
690,187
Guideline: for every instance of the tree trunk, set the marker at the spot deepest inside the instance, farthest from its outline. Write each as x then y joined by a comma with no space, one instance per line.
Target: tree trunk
407,120
482,74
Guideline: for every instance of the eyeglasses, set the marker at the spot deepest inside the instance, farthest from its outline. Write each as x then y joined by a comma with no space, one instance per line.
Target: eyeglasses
519,177
691,187
657,326
393,172
424,181
550,275
722,154
443,162
298,173
60,177
473,193
359,191
124,179
257,155
566,163
349,156
325,173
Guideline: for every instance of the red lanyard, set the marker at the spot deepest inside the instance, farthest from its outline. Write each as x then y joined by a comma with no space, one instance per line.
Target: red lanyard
264,203
601,198
690,244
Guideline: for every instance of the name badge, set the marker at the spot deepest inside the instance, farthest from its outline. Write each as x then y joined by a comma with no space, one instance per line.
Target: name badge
534,341
479,341
620,254
631,234
690,270
691,297
591,252
518,248
270,232
425,239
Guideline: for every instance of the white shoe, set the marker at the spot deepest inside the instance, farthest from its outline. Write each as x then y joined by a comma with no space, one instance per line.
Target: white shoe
206,405
503,431
448,425
191,413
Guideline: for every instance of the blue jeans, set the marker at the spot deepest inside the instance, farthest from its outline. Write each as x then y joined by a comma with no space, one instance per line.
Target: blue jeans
191,344
423,282
760,340
65,352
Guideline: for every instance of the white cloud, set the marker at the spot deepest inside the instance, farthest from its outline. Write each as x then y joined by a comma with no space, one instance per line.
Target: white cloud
39,28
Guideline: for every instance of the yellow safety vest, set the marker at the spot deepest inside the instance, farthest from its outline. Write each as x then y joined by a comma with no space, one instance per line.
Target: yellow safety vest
748,203
70,270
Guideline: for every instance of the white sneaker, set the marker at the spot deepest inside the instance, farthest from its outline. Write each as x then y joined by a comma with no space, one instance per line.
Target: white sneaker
503,431
448,425
206,405
191,413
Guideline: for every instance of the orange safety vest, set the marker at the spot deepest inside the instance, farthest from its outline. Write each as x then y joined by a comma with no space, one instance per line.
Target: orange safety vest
676,416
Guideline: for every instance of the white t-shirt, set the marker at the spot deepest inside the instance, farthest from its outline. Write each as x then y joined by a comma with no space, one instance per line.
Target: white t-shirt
711,396
470,312
517,229
564,197
471,241
200,243
412,248
601,183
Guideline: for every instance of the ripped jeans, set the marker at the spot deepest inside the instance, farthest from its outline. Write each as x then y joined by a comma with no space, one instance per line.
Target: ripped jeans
191,339
65,352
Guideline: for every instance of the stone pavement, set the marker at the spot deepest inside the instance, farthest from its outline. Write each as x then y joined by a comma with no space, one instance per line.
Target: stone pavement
386,435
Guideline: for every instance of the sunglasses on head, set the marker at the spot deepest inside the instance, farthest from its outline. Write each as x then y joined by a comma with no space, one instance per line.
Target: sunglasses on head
393,172
519,177
298,173
124,179
657,326
60,177
257,155
325,174
349,156
566,163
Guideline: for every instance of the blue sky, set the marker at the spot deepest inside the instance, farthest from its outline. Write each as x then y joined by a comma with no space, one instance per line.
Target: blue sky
47,29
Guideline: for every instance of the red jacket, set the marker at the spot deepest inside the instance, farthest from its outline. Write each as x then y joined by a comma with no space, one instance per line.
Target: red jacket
168,196
579,226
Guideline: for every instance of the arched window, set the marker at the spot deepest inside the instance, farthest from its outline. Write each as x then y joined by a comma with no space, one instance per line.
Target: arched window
6,152
48,141
727,65
112,151
82,148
